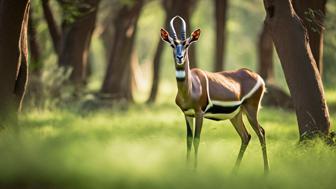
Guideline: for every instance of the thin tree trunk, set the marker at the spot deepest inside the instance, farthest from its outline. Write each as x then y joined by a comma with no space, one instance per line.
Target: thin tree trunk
291,42
312,13
34,87
107,36
118,78
52,26
265,56
34,48
13,56
156,72
75,40
221,7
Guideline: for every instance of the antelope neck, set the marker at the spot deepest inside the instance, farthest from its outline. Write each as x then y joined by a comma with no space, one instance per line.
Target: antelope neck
183,78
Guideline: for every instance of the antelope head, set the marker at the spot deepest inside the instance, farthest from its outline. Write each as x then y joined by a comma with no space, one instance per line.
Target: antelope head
180,46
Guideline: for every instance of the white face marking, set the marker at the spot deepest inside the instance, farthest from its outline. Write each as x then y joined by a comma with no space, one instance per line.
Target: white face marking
180,74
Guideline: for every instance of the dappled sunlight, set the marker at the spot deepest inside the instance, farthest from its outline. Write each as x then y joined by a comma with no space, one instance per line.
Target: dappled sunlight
101,107
148,150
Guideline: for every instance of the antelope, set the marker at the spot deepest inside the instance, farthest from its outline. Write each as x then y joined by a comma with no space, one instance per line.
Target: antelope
226,95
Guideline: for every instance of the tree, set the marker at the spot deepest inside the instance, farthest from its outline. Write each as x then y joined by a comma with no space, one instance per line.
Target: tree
265,55
312,13
71,43
78,23
118,80
221,7
34,48
53,29
172,8
290,38
34,87
275,96
13,56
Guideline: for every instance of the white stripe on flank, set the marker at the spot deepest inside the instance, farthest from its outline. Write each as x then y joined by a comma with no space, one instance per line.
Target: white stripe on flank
207,88
180,74
260,82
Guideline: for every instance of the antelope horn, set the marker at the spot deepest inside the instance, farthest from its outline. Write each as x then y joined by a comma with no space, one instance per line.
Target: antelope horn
184,28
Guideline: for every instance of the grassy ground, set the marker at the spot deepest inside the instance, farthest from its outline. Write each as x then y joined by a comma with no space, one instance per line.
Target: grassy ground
144,147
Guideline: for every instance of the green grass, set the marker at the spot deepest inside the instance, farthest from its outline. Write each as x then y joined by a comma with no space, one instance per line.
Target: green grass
144,147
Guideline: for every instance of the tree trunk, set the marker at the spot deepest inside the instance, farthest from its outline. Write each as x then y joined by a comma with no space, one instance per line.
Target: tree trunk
275,96
156,72
302,76
118,79
172,8
34,87
107,35
221,7
34,49
52,26
312,13
76,38
13,56
265,56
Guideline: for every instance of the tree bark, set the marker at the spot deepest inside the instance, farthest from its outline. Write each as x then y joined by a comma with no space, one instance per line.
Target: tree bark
312,13
265,55
172,8
291,42
118,79
52,26
275,96
34,48
156,73
13,57
76,38
34,87
221,7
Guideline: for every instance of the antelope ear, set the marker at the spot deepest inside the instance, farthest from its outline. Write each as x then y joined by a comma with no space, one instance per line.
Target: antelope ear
165,35
195,35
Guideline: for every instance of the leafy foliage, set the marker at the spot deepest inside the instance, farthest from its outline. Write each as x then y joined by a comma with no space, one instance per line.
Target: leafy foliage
74,9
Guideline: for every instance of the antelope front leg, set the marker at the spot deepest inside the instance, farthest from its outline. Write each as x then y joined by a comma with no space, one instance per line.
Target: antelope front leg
189,124
198,129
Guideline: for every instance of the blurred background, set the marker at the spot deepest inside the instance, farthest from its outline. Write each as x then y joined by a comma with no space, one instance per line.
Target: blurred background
99,109
105,51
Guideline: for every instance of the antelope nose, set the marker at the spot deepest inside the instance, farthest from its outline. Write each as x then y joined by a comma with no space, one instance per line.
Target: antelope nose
179,57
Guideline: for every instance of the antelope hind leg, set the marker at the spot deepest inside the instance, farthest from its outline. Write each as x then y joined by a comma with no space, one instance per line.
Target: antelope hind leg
238,124
252,114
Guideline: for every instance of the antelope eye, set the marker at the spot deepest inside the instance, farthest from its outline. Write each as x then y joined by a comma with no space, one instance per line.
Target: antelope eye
172,45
